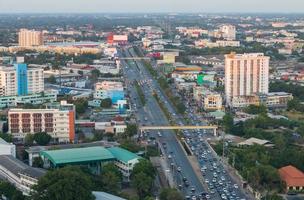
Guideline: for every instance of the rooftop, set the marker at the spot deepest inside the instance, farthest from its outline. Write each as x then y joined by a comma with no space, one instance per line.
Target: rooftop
253,141
122,154
292,176
78,155
15,166
105,196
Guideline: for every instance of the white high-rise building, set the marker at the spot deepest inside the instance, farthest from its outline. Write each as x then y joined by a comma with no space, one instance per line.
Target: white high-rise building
28,38
246,75
20,80
228,32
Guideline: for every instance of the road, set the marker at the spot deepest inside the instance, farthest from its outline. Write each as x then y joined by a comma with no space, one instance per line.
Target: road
154,115
219,184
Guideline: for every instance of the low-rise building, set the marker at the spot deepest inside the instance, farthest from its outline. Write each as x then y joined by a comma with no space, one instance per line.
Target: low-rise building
207,99
93,157
22,176
293,178
7,148
37,98
272,100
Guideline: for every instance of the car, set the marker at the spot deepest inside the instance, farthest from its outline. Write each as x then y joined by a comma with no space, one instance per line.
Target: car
235,186
186,183
192,189
207,196
184,179
206,180
179,169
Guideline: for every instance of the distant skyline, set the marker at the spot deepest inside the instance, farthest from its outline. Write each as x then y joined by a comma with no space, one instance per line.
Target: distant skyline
135,6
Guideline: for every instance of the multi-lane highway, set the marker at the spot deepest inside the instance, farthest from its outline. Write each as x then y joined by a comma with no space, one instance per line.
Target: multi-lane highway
219,184
154,115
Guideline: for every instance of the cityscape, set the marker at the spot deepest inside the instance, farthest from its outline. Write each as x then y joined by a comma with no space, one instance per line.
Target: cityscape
148,104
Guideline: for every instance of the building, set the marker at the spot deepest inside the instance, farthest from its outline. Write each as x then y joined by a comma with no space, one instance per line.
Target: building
109,89
214,60
105,196
125,160
219,43
37,98
93,157
273,100
228,32
109,85
246,75
20,80
28,38
207,99
117,39
256,141
7,148
22,176
58,120
293,178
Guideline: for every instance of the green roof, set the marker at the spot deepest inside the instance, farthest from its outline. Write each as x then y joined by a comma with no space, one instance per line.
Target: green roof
122,154
78,155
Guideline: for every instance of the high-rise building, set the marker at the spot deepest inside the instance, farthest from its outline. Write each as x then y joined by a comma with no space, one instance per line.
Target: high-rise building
20,80
58,120
228,32
246,75
28,38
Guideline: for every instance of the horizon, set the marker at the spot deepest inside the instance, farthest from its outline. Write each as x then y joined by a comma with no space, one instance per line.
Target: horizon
156,6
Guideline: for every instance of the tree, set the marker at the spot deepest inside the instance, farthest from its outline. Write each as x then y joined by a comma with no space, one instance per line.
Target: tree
51,79
106,103
95,73
228,122
10,192
68,183
81,105
144,166
38,162
29,139
42,138
254,109
111,178
143,184
6,137
131,130
170,193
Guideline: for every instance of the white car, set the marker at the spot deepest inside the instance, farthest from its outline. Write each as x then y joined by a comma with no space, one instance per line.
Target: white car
235,186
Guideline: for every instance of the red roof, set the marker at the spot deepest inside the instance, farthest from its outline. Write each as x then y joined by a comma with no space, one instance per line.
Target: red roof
118,119
292,176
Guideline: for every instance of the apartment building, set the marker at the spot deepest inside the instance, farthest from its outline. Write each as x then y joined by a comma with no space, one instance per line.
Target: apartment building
28,38
20,80
58,120
228,32
246,75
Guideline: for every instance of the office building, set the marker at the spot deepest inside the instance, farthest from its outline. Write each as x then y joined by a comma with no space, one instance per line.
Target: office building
228,32
58,120
28,38
20,80
246,75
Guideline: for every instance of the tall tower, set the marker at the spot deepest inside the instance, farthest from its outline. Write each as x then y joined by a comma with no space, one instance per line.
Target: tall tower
246,74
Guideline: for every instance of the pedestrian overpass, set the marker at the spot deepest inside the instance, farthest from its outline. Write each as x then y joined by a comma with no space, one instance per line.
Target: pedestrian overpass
186,127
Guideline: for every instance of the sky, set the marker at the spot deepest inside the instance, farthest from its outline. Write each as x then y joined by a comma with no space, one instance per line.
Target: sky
131,6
